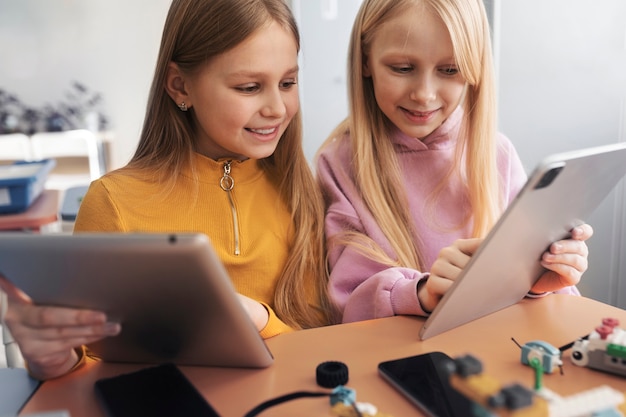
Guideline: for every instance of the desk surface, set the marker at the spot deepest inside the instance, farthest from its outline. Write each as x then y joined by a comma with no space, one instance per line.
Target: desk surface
557,319
44,210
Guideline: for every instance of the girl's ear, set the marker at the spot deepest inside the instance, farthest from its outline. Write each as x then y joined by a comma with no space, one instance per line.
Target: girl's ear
175,86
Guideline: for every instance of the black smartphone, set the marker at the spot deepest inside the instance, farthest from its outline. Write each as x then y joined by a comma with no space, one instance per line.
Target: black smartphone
158,391
425,381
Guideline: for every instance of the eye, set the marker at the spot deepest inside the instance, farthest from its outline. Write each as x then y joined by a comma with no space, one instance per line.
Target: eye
449,70
401,69
248,88
287,84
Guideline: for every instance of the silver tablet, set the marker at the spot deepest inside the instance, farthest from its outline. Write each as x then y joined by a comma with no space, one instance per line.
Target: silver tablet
170,292
560,194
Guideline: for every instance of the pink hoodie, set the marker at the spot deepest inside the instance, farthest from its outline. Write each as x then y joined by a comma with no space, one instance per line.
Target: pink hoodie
364,289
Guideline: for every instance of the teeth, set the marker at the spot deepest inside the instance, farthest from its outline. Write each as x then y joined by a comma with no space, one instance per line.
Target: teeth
263,131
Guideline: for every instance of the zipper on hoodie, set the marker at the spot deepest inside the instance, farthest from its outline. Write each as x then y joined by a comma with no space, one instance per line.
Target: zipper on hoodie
227,183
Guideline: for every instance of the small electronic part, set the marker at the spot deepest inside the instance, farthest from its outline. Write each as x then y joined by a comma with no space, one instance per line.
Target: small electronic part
343,404
489,396
604,349
515,400
548,356
343,395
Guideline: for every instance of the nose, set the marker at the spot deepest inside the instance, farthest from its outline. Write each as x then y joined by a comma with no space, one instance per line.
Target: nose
424,89
274,104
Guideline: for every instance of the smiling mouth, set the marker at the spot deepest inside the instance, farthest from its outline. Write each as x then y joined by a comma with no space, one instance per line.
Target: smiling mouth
262,131
419,113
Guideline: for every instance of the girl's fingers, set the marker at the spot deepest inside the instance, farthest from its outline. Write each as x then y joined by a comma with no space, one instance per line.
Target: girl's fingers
68,333
438,286
571,246
444,270
453,256
582,232
43,316
468,246
576,262
567,274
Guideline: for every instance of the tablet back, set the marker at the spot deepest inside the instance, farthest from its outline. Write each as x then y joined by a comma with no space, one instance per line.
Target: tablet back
560,194
170,292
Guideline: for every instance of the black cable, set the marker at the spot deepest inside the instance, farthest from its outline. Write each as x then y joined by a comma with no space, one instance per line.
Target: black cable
569,345
284,398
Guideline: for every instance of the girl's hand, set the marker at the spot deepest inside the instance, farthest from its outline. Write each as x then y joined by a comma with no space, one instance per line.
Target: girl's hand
47,336
565,261
256,311
445,270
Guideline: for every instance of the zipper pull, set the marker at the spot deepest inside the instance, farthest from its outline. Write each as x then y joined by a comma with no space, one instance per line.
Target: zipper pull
227,182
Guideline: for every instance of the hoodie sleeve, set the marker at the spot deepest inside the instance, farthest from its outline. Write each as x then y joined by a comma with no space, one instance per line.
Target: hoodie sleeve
360,287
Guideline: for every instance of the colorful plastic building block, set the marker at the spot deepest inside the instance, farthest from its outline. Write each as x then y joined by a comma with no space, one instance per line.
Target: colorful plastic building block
515,400
343,404
549,356
489,397
603,350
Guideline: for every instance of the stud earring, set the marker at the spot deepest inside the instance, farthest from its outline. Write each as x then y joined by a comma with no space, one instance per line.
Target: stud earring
182,106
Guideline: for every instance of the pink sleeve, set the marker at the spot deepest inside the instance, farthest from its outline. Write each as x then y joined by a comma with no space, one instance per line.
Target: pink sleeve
390,292
364,289
361,287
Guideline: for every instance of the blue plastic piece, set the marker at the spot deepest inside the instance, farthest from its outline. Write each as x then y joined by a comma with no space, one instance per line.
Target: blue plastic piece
549,355
21,183
342,394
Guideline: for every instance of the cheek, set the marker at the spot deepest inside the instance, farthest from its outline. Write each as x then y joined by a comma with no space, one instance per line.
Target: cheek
217,122
387,93
232,112
292,104
454,93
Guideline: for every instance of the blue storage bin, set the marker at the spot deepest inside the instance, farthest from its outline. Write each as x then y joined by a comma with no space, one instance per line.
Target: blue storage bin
21,183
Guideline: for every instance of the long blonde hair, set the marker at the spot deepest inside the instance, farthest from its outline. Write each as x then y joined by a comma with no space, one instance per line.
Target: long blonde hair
195,31
375,164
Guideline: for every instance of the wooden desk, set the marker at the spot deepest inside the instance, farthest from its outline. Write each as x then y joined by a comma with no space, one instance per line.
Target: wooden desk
557,319
43,211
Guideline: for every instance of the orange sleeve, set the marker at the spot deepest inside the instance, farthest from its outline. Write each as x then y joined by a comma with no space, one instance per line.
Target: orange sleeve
274,326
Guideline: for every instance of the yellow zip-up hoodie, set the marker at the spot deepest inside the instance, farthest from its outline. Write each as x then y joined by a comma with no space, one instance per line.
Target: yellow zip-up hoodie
249,225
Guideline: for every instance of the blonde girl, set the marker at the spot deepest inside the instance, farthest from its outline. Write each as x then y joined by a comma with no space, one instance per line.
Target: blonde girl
417,174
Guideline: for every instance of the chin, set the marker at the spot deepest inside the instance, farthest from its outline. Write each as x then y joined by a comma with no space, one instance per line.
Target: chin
258,155
264,152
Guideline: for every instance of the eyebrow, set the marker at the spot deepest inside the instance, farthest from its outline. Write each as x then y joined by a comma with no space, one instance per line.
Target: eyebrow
257,74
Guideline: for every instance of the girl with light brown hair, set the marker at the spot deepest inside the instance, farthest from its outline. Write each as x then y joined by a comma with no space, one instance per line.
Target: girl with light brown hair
220,153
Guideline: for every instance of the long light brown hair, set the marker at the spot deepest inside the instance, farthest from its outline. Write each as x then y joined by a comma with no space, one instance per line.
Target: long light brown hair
195,31
376,168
